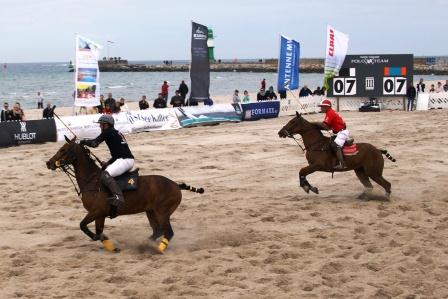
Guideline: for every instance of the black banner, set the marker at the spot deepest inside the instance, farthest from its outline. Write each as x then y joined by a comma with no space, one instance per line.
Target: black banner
200,65
26,132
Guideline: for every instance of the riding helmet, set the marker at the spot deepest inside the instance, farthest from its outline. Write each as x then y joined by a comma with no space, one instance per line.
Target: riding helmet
106,119
325,102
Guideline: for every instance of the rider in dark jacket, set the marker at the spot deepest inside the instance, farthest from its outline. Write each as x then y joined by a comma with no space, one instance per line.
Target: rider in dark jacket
122,159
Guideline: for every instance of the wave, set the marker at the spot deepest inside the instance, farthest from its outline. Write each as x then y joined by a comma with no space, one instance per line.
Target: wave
116,86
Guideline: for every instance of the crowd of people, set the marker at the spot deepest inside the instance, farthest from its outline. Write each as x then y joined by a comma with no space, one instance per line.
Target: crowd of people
412,91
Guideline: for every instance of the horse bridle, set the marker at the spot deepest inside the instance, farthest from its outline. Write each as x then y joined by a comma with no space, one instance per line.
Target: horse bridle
304,148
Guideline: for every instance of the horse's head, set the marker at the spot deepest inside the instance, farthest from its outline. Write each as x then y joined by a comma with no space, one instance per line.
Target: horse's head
294,126
66,155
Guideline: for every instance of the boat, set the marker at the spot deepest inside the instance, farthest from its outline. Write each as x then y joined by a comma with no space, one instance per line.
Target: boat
71,67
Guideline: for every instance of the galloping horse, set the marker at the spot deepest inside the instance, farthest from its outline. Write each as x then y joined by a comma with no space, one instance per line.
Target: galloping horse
156,195
367,163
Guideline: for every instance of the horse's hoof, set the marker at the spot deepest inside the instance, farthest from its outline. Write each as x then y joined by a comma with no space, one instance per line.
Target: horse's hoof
315,190
387,196
306,188
362,196
109,246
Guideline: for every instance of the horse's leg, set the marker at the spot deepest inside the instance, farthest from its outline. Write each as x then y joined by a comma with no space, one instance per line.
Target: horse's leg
90,217
168,234
157,231
304,182
99,227
364,179
383,183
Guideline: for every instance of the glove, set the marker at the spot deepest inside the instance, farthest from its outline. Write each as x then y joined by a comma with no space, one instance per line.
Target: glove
83,142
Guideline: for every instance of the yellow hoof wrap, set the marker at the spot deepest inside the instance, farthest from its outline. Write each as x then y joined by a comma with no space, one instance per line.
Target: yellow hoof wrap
163,245
108,245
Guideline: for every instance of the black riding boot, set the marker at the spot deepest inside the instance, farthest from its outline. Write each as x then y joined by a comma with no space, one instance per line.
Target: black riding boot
117,196
340,157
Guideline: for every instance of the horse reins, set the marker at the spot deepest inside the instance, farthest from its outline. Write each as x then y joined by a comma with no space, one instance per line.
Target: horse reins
303,148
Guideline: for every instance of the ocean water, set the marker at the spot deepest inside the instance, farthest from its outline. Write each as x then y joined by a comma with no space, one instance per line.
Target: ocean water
20,82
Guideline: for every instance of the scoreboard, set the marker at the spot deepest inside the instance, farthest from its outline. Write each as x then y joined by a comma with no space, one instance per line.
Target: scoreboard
373,76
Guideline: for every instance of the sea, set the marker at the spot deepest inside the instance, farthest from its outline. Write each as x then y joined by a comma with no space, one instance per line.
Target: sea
20,82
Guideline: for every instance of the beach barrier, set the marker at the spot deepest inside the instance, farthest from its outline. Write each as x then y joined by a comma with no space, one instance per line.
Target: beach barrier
438,100
14,133
207,115
259,110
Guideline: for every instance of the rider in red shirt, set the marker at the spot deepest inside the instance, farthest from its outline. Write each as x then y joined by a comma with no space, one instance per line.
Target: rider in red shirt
334,122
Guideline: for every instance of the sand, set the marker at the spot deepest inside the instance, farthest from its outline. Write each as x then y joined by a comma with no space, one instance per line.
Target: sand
254,233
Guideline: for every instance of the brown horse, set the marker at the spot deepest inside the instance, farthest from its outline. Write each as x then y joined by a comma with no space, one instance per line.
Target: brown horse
368,163
156,195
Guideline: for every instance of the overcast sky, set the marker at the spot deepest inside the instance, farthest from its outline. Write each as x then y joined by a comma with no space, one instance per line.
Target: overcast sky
44,30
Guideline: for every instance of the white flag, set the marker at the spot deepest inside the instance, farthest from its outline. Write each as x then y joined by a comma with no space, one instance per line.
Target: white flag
337,46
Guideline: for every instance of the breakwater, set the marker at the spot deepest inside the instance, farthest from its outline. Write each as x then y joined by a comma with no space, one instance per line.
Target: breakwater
307,65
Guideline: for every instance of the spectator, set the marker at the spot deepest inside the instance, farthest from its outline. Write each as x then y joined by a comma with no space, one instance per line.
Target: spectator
263,84
183,88
110,101
123,107
177,100
445,87
318,92
143,103
270,94
40,101
432,89
100,107
159,102
17,113
246,98
208,102
411,94
305,91
164,92
282,94
5,113
439,87
107,109
261,95
48,112
236,98
421,86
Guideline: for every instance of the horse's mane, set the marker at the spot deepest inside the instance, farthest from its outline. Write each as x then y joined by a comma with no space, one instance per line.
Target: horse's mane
311,125
86,152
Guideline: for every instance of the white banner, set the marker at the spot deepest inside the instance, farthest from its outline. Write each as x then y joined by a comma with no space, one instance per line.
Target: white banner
87,73
152,120
337,47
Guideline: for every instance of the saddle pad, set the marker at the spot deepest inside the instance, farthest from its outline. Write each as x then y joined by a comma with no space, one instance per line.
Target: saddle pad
350,150
128,180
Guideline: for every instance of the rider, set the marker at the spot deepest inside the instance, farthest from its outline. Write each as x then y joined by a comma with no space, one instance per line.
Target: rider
122,159
334,122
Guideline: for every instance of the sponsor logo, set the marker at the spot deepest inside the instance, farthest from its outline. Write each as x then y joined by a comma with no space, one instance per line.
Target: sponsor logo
200,34
24,136
331,43
369,60
160,118
263,111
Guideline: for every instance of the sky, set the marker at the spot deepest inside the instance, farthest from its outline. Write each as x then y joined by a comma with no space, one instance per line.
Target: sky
44,30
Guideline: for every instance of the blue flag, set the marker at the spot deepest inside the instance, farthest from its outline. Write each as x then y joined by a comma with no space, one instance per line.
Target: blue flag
288,64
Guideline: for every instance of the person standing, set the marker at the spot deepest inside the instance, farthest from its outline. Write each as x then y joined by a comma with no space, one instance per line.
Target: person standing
164,92
40,101
100,107
263,84
183,89
48,112
159,102
421,86
411,93
5,113
236,97
246,98
177,100
143,103
110,101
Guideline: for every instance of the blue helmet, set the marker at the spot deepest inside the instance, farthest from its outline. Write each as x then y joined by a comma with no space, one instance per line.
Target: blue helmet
106,119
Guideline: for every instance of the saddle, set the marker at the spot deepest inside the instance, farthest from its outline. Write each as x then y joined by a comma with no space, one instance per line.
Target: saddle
128,181
349,148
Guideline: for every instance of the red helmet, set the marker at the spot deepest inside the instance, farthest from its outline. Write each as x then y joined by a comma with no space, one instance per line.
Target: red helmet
325,102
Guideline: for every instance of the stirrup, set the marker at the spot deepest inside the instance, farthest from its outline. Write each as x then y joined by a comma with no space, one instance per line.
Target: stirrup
340,167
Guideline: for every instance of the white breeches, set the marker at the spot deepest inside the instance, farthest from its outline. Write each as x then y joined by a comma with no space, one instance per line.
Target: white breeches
120,166
341,137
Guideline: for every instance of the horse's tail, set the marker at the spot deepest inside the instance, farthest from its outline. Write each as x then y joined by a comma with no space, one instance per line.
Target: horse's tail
384,152
184,186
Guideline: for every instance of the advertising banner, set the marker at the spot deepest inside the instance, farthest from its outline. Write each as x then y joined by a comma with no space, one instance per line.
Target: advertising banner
27,132
288,64
152,120
87,73
207,115
200,65
337,47
268,109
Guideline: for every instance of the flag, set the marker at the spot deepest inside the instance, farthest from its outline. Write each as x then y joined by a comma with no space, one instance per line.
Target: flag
288,64
200,65
87,73
337,46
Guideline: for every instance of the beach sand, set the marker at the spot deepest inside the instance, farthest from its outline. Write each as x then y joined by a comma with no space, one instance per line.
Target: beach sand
254,233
